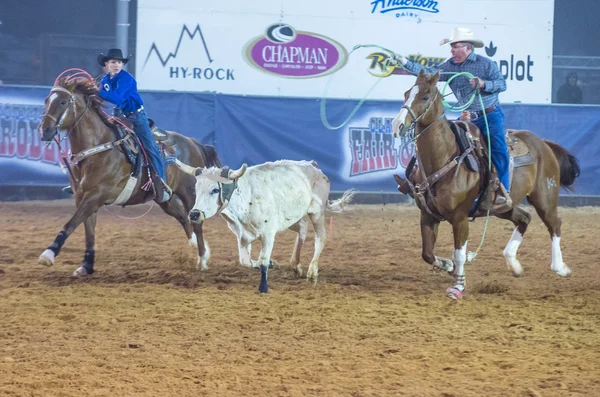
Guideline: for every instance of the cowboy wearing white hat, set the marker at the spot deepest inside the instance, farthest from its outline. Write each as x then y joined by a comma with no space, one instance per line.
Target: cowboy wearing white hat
490,82
462,35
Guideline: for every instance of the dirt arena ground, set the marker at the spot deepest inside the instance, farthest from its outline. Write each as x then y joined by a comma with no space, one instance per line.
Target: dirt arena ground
378,323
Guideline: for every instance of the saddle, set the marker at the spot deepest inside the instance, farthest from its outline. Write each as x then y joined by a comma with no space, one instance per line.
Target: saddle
130,147
473,150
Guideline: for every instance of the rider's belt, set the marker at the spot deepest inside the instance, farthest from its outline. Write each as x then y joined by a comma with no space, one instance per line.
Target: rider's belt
476,115
139,110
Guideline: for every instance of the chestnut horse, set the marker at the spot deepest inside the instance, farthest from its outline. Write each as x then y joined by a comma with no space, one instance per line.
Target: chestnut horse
446,189
101,174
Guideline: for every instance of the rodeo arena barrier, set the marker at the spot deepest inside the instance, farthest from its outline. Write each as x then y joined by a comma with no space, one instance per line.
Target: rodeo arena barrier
258,95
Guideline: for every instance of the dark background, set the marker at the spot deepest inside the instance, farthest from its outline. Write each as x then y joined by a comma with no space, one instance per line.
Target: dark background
41,38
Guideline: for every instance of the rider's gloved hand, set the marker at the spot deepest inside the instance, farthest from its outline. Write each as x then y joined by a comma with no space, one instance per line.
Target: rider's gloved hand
398,59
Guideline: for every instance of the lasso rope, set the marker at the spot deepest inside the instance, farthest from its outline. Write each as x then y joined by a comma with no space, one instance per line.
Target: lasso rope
476,94
130,218
363,99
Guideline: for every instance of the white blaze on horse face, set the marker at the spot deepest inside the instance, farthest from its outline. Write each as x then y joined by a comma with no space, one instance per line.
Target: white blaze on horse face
510,252
400,119
207,196
52,98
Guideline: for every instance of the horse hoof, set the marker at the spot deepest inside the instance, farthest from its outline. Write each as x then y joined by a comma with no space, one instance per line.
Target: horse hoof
80,273
47,258
454,293
564,272
201,264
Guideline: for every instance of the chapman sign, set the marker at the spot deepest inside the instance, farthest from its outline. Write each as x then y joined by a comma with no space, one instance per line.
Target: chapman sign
294,54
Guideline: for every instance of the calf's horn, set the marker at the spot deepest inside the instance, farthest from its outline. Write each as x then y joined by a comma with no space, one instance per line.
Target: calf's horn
235,174
193,171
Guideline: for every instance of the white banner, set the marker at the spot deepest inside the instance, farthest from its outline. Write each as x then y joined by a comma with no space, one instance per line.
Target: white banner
291,48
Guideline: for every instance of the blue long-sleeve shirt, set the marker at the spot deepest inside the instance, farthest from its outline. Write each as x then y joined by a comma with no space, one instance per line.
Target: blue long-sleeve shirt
121,89
478,66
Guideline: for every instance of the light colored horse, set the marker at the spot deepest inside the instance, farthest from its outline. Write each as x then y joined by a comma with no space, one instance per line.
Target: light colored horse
446,189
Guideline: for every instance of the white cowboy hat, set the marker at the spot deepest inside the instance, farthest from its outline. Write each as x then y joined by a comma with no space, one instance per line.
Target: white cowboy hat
462,35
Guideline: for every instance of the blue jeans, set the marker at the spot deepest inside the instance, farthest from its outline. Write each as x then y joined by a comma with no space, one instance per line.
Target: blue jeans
142,130
497,138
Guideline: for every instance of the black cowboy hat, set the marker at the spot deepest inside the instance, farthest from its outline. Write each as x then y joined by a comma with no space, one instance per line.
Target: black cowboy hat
112,53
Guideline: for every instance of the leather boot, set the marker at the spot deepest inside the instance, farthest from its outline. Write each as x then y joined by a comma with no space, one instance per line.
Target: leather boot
403,186
163,191
503,201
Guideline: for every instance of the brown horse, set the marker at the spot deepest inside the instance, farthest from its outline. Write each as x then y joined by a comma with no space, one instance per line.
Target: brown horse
100,173
445,189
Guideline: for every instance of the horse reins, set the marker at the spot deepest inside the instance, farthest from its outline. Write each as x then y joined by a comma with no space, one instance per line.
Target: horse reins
60,122
71,103
416,119
430,180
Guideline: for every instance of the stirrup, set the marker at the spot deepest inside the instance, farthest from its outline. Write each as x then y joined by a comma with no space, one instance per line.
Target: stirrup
503,202
162,191
68,189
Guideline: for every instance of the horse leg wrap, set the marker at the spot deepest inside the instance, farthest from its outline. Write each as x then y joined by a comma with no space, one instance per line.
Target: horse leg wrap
59,241
88,261
460,282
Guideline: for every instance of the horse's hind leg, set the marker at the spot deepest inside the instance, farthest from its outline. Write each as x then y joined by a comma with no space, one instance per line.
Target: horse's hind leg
521,219
547,209
178,210
429,230
87,267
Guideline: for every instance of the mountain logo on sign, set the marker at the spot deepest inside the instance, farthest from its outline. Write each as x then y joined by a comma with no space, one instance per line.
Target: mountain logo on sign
198,71
184,30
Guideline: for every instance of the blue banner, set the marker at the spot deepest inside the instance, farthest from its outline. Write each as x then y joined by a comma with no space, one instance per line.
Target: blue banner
244,129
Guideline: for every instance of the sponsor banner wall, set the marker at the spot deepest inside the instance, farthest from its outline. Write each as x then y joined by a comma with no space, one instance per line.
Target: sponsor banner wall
361,155
291,48
24,158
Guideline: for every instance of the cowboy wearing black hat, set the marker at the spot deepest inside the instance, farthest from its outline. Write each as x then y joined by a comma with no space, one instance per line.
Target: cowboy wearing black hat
120,88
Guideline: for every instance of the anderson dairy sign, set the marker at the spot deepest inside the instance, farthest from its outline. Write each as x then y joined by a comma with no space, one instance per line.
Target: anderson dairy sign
285,52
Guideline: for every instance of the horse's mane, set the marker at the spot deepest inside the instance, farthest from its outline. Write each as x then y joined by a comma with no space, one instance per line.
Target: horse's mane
89,89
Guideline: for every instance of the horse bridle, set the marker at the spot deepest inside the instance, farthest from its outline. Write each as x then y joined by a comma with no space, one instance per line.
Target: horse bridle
71,103
416,119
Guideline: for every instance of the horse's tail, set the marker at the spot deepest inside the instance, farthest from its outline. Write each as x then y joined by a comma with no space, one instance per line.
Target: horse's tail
569,165
211,158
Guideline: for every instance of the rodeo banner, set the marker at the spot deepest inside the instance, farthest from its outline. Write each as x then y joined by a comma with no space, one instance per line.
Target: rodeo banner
290,48
24,159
